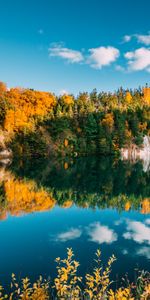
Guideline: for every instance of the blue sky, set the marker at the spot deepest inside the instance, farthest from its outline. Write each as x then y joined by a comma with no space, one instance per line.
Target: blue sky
75,45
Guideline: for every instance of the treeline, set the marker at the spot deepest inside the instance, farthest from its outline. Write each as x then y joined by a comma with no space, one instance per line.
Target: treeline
97,123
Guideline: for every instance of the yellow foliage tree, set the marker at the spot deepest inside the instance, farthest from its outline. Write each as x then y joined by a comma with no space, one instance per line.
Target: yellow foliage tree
128,97
3,88
108,121
25,105
67,99
146,92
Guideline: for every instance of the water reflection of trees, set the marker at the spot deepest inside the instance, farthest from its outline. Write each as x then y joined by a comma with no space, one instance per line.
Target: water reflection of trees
19,196
37,185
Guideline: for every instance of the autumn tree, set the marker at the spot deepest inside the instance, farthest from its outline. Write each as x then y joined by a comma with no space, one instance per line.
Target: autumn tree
3,88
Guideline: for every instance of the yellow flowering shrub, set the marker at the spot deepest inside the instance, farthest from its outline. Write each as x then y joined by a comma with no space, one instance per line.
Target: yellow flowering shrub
69,286
120,294
27,291
98,282
66,283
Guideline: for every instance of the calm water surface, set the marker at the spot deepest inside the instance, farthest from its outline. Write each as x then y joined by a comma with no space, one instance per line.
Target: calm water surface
46,207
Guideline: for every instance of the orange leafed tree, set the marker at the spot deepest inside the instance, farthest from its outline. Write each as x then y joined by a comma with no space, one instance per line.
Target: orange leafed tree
67,99
146,92
25,105
3,88
108,121
128,97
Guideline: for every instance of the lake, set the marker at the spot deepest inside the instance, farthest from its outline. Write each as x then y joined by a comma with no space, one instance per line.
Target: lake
83,203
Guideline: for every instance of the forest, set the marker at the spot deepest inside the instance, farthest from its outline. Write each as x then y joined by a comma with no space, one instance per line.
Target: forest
35,123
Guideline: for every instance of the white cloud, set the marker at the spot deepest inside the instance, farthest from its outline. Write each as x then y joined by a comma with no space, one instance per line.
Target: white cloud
138,232
118,222
101,234
96,58
141,38
144,39
102,56
72,56
147,221
125,252
127,38
119,68
98,233
138,59
71,234
144,251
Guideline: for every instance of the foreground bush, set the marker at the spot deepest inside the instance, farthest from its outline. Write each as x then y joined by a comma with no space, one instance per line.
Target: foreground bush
68,285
